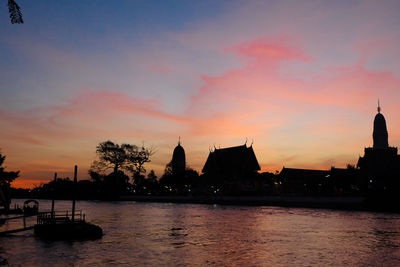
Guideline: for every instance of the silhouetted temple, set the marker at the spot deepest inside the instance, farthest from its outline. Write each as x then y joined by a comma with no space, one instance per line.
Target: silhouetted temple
336,181
232,163
380,163
178,159
303,181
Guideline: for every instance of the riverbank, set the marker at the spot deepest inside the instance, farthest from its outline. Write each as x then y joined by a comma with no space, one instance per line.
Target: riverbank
356,203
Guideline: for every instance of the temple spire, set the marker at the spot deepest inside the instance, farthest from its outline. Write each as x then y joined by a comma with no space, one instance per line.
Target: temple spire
379,107
179,141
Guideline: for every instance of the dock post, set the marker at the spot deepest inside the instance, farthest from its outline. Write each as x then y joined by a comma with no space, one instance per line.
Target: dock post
52,201
74,193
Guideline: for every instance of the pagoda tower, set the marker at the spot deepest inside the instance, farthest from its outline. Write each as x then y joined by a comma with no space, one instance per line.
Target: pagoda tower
380,164
178,159
380,133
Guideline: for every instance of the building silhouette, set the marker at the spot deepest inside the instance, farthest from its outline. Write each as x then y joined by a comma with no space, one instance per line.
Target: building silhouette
377,172
380,164
230,164
330,182
302,181
178,162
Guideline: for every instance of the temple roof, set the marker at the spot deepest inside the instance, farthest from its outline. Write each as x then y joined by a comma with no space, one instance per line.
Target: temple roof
232,158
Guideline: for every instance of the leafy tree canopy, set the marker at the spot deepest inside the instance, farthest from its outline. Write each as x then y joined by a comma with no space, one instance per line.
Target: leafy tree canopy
115,157
6,177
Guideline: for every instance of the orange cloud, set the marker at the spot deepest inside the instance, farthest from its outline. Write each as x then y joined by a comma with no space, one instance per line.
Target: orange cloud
28,183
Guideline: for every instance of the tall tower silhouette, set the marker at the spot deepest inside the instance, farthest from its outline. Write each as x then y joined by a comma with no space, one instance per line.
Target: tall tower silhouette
178,159
380,133
380,165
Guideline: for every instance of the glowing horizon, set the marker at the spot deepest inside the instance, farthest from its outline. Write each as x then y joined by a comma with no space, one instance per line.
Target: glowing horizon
300,79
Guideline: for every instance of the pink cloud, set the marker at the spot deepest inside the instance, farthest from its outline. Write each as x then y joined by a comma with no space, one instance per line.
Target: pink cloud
270,50
37,126
307,115
162,69
260,81
286,115
100,104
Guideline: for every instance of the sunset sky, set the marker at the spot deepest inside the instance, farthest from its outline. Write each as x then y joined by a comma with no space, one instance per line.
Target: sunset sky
300,78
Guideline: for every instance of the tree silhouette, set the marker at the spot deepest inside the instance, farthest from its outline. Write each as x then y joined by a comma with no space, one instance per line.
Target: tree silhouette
118,158
152,177
137,158
5,180
121,157
111,156
15,12
6,177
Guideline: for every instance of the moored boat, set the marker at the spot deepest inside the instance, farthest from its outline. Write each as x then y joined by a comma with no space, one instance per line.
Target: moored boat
31,207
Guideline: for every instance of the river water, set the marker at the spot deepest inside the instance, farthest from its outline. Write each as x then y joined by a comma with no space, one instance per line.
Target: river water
163,234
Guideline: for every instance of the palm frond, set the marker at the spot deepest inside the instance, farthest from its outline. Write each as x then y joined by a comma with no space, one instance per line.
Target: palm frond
15,12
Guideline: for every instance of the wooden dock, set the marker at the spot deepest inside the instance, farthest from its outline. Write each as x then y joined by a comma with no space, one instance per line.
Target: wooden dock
25,228
4,233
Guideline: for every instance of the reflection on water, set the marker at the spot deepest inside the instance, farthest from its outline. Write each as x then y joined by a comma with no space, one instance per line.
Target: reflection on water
183,234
